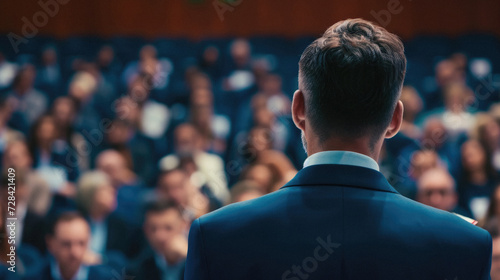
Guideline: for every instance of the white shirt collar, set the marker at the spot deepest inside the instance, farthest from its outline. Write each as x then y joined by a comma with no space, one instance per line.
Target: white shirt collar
341,157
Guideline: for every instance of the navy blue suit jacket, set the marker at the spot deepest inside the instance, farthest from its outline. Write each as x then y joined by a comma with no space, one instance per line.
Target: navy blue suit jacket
336,222
96,272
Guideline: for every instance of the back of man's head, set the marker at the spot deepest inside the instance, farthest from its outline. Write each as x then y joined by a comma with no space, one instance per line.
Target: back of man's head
351,78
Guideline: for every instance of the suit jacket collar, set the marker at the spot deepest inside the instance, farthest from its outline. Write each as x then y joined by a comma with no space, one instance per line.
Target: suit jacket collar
341,175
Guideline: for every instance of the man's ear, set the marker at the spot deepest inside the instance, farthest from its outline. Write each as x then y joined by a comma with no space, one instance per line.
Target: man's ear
396,121
299,110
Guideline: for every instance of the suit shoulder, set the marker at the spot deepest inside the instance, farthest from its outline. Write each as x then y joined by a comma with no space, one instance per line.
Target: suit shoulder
263,206
440,222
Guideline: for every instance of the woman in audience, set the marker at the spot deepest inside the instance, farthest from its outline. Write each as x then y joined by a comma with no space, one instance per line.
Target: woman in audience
52,157
477,180
64,111
487,131
110,234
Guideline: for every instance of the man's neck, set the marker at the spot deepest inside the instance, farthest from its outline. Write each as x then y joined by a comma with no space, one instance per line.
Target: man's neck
360,145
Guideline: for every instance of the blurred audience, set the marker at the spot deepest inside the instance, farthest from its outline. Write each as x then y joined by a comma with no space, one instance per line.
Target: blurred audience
179,132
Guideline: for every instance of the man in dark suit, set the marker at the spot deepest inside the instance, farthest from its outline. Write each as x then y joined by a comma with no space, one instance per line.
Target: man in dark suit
339,218
164,228
67,242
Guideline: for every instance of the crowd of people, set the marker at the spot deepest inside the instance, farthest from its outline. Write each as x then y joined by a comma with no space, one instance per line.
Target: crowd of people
113,160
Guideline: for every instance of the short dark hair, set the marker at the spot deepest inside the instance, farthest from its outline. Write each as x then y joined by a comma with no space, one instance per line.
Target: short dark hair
159,206
64,216
351,78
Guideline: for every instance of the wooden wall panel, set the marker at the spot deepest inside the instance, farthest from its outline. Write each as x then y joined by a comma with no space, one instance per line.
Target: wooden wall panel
180,18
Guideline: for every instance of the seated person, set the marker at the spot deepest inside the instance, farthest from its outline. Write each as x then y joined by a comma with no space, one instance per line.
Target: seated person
110,234
207,167
437,188
165,230
67,241
175,185
127,184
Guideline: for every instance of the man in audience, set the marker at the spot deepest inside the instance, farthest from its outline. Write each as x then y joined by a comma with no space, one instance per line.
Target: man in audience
437,188
436,137
208,167
67,242
128,188
124,137
17,156
27,102
176,185
165,230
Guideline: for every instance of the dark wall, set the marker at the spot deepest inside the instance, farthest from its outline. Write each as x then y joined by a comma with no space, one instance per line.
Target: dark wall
199,18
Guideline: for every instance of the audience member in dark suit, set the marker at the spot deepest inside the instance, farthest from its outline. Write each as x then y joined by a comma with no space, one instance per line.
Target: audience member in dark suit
49,78
32,225
128,185
67,241
135,147
339,218
164,228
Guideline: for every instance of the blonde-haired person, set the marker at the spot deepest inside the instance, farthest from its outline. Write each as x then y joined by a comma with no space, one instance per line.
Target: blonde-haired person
96,199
